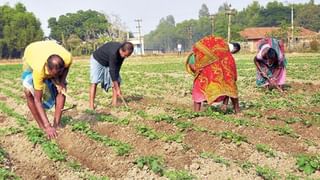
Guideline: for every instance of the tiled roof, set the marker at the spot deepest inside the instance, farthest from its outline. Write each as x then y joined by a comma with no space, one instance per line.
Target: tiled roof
261,32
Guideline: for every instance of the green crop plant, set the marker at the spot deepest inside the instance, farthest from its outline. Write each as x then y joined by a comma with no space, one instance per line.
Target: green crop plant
119,147
246,166
286,130
147,132
37,136
253,114
293,177
172,137
266,150
164,117
9,131
293,120
267,173
3,155
308,163
179,175
142,114
6,174
183,125
233,137
154,163
182,113
153,134
215,158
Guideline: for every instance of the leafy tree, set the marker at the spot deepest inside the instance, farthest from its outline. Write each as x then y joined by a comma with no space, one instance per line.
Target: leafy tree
274,14
308,16
86,25
163,38
18,28
204,11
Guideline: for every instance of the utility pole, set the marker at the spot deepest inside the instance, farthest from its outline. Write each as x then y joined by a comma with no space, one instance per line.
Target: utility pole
189,32
139,31
230,12
292,26
212,17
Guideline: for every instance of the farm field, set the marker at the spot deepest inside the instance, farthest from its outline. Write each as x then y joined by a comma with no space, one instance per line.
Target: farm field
276,136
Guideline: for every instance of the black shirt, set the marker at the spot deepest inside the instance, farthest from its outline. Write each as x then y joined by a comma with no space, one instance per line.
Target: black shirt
108,55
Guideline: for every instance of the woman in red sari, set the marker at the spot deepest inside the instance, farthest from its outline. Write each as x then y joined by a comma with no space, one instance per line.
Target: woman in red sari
215,73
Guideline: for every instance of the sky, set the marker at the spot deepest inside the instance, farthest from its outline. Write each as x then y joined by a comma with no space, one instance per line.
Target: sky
149,11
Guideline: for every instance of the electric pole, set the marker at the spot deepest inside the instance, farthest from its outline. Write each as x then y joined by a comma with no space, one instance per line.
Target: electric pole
189,32
230,12
212,17
139,31
292,25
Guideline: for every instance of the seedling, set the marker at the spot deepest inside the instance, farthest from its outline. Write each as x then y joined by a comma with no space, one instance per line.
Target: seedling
266,150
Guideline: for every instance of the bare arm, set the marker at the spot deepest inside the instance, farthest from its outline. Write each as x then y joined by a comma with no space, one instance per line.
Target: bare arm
264,74
51,132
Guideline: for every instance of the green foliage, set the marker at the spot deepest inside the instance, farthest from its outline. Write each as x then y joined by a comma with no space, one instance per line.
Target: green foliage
119,147
286,130
154,163
233,137
292,177
147,132
293,120
267,173
92,177
142,113
52,150
246,166
164,117
112,119
308,164
316,99
84,24
6,174
9,131
18,28
265,149
3,154
74,165
179,175
215,158
152,134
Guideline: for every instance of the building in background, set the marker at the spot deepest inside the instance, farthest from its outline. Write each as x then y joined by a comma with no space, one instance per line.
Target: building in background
302,37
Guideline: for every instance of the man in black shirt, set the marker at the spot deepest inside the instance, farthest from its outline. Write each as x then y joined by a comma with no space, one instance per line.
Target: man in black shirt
105,64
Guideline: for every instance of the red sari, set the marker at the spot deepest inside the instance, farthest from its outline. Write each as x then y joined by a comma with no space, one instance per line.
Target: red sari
216,73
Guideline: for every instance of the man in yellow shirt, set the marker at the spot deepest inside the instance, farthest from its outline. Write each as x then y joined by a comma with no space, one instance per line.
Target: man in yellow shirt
45,68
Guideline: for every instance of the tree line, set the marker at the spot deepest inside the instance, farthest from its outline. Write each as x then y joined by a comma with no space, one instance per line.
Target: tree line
82,32
275,14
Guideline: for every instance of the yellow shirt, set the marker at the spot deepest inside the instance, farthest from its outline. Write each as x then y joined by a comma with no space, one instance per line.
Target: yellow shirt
35,58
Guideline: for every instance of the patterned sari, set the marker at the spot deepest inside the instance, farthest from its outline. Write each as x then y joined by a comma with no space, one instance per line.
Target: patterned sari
270,69
216,73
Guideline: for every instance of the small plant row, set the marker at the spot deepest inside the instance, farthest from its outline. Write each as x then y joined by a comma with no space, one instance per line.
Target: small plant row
183,125
152,134
264,172
119,147
285,130
156,164
7,92
5,173
36,136
9,131
108,118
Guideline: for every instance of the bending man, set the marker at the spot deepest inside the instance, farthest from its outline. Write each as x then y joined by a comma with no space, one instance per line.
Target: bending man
105,65
45,68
